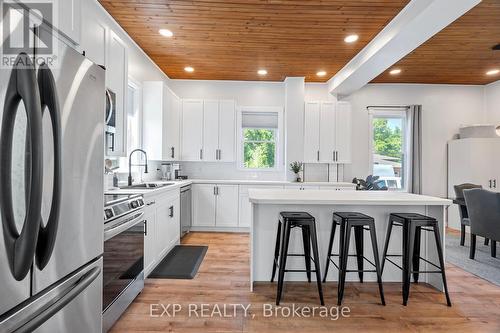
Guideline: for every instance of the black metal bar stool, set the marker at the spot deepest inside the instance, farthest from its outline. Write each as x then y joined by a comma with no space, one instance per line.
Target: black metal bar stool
412,225
359,222
288,221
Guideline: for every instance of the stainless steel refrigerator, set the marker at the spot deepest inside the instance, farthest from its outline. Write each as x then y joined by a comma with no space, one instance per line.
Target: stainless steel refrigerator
51,191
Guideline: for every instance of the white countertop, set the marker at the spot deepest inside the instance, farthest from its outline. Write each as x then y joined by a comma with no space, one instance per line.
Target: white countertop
179,183
330,197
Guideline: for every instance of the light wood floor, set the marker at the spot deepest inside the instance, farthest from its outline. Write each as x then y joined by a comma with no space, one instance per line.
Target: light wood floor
223,278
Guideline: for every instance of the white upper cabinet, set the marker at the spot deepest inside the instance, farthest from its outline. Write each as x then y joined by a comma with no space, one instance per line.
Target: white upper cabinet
192,130
70,17
227,130
311,132
215,140
64,15
117,82
94,39
343,132
161,121
210,130
172,125
327,132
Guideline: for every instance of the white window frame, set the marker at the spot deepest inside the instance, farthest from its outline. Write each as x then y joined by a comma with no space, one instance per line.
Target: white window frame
279,137
392,113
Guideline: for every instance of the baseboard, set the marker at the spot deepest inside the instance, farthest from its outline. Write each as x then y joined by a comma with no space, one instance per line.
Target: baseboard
219,229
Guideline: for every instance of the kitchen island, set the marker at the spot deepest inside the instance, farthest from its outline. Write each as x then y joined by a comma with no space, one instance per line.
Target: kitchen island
267,204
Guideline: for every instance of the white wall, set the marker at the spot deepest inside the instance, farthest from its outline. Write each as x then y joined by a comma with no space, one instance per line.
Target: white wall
245,93
492,103
445,108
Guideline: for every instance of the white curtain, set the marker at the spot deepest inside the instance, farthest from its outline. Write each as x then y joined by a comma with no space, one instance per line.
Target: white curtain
414,117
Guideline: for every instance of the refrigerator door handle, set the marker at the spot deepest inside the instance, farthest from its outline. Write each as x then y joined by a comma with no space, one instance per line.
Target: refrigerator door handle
49,100
50,303
20,247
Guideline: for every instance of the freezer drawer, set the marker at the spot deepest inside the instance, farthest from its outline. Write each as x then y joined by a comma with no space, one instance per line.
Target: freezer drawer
72,305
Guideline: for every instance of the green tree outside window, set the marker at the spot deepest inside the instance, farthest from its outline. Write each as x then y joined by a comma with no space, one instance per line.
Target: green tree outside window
388,140
259,148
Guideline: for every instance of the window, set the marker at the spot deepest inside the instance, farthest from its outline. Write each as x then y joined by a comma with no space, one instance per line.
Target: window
259,133
259,148
389,148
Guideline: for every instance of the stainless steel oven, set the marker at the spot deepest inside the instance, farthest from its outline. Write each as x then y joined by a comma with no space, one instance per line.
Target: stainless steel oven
123,259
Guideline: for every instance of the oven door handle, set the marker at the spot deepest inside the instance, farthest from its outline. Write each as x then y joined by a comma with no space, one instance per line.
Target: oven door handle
121,226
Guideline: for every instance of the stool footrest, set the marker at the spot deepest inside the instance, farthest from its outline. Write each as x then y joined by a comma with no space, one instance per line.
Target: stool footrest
299,270
392,262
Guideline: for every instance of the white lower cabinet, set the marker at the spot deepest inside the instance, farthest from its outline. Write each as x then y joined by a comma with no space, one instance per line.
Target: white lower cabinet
149,243
215,205
162,227
203,196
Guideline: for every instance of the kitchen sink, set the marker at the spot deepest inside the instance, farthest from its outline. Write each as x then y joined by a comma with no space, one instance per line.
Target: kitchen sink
146,186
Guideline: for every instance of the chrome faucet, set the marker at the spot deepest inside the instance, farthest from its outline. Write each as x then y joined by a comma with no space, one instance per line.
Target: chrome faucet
145,165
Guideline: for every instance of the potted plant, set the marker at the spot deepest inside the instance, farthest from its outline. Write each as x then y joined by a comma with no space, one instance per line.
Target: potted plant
296,167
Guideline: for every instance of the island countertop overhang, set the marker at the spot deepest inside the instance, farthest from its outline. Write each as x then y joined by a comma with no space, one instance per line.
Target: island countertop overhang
332,197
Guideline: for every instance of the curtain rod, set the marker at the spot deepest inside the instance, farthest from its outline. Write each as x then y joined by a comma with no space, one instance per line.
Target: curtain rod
388,107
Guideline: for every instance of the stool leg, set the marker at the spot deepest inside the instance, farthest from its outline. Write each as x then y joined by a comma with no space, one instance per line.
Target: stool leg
493,248
373,235
330,246
441,262
386,245
472,252
306,240
416,254
345,254
359,239
317,268
276,251
341,257
462,234
408,265
283,256
486,241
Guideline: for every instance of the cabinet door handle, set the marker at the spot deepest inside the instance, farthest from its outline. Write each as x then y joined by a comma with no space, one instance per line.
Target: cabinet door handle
150,203
317,157
489,181
172,152
336,156
333,155
220,154
145,227
494,183
171,214
201,154
215,190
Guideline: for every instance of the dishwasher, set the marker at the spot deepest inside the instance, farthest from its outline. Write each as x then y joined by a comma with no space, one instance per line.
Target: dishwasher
185,210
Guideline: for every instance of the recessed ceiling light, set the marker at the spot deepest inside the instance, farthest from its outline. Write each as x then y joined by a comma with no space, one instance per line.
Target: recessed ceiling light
395,71
262,72
321,73
351,38
166,32
493,72
189,69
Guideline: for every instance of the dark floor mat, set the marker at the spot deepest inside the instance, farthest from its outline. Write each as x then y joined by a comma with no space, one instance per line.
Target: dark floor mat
182,262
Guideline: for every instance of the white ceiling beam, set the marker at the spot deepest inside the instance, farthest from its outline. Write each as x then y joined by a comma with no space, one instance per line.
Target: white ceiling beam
415,24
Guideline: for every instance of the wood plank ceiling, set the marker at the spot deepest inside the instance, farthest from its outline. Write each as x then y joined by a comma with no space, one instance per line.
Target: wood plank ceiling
232,39
459,54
